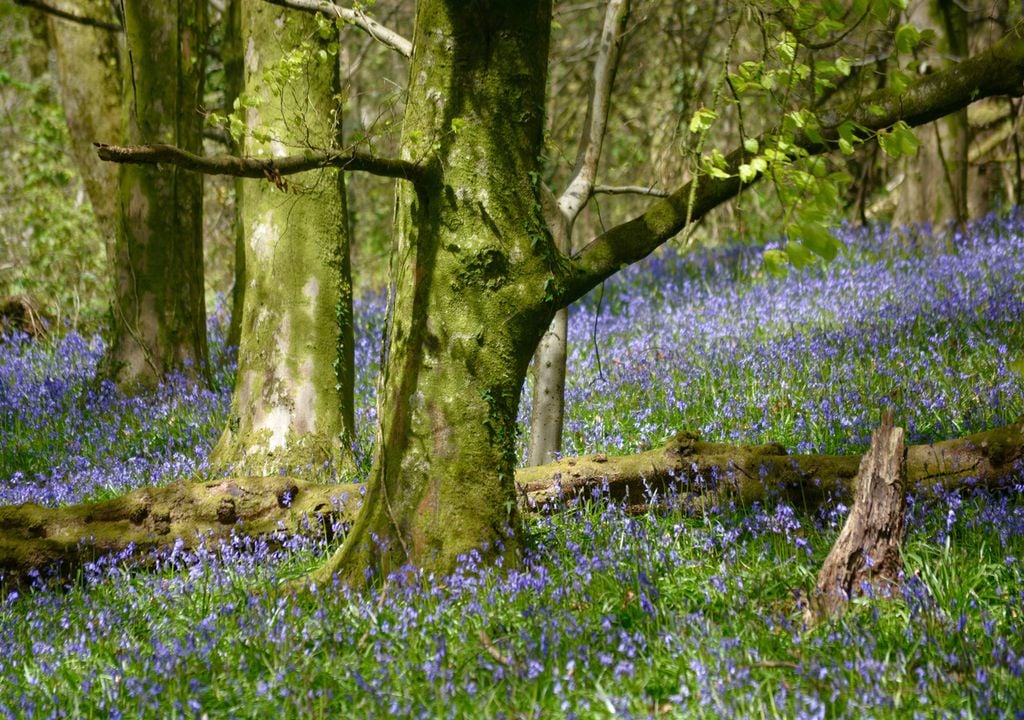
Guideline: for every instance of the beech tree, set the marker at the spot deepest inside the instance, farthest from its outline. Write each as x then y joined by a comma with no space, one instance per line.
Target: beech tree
477,275
292,404
159,319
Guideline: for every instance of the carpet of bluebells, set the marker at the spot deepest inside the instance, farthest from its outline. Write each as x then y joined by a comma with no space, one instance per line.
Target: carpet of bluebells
670,614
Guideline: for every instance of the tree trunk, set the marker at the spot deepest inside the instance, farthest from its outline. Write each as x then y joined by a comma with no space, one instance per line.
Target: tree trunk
934,187
159,310
472,265
234,82
867,552
33,536
547,406
292,408
86,65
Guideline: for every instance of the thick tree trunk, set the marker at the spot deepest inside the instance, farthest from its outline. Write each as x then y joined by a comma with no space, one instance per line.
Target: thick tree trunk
868,550
471,266
86,64
32,536
292,409
159,310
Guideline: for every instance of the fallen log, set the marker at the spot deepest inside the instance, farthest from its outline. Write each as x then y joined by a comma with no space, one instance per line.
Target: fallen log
35,536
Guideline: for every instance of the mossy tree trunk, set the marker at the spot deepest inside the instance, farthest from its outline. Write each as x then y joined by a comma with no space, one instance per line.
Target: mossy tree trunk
88,77
159,321
292,408
472,266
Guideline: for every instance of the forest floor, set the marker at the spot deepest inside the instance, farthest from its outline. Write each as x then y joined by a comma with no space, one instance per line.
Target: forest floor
671,613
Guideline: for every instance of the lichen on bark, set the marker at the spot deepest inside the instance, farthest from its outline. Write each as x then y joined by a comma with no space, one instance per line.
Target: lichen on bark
292,408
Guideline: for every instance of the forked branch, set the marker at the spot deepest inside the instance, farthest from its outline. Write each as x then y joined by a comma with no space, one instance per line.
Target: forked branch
269,168
358,18
575,197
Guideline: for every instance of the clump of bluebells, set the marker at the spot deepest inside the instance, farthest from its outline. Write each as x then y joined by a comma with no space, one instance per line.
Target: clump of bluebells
710,342
66,435
682,611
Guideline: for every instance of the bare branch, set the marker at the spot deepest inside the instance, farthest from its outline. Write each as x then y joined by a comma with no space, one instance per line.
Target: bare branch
358,18
575,197
65,15
270,168
996,71
629,190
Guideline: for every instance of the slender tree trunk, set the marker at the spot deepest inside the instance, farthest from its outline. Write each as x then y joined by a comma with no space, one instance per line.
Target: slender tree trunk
471,263
547,397
292,409
159,312
86,65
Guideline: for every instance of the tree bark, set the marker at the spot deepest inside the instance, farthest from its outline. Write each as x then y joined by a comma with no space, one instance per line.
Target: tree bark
86,64
34,536
868,549
472,261
548,394
292,408
159,305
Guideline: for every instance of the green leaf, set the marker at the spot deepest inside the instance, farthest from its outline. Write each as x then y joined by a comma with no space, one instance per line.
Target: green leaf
843,65
798,255
907,37
747,173
898,141
751,145
702,119
817,239
776,262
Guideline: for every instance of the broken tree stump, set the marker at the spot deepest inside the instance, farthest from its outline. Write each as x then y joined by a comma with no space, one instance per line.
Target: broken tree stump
867,551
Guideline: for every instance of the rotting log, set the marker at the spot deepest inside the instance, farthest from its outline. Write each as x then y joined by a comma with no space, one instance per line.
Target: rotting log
867,553
36,536
33,536
748,473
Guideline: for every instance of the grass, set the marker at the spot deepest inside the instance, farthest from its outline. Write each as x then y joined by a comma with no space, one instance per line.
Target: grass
668,614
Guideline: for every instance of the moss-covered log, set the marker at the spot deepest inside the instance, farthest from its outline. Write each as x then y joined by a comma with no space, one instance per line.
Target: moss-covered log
34,536
751,472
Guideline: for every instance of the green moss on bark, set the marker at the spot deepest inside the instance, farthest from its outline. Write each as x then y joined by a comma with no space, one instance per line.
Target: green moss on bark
292,408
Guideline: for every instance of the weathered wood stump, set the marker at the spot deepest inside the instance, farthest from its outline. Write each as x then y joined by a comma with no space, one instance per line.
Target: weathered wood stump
867,551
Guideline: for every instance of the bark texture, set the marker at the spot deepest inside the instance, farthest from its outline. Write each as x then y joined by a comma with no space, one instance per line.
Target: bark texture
472,261
33,536
292,408
867,552
159,311
88,77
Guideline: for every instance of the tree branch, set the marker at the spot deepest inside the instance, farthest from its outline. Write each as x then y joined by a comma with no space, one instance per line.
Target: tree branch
271,168
997,71
357,17
575,197
629,190
65,15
